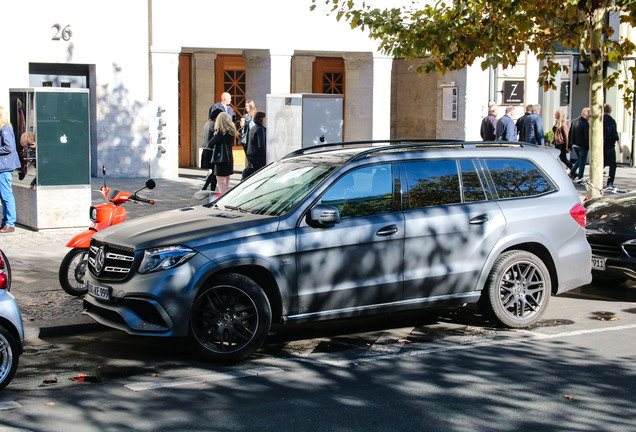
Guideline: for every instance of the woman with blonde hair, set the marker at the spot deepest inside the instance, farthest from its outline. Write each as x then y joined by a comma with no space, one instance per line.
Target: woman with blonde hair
222,143
561,132
9,161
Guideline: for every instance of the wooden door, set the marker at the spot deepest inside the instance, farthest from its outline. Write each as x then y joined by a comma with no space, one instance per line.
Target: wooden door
185,113
230,77
329,75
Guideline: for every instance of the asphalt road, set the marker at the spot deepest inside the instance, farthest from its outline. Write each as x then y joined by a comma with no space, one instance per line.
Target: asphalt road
445,370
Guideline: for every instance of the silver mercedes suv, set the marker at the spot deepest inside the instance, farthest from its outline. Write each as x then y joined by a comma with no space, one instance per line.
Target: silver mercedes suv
344,230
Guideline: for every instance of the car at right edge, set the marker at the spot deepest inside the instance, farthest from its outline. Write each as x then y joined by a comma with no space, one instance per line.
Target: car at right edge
611,232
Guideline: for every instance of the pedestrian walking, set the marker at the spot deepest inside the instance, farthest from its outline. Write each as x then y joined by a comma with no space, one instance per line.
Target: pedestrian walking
533,127
580,141
521,129
256,153
489,123
610,138
222,143
206,154
561,132
9,161
506,128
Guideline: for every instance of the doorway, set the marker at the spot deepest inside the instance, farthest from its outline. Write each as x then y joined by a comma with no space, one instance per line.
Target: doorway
185,111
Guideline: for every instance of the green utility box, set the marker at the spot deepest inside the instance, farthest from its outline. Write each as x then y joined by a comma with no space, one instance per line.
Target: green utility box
53,188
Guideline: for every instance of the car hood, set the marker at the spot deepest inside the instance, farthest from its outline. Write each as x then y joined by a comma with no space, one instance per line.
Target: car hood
614,214
190,226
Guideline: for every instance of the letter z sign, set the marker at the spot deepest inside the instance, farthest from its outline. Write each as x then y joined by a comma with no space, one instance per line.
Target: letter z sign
513,92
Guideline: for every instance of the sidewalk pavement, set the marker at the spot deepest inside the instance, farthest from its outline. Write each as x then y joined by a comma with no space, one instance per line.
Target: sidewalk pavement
35,256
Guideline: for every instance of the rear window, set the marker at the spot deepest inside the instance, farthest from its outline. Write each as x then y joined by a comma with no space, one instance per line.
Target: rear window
516,178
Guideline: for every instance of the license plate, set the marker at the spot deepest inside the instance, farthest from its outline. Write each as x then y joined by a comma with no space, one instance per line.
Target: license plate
598,263
100,292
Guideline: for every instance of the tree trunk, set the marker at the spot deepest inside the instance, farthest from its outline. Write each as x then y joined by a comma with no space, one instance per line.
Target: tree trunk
596,102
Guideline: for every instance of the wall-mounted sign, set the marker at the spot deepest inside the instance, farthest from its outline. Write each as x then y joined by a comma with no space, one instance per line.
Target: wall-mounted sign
513,92
449,103
565,93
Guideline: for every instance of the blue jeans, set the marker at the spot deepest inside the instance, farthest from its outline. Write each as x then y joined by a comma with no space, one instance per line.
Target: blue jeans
6,196
579,165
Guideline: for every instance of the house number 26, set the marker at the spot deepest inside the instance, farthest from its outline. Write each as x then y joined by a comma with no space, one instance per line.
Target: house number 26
62,32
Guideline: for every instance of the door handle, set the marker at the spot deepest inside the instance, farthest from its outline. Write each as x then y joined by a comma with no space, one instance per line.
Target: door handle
478,220
388,230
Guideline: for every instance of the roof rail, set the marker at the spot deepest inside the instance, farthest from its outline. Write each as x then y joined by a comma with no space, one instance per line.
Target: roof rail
404,143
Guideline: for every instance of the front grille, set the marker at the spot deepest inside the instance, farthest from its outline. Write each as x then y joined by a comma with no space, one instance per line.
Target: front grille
607,250
110,262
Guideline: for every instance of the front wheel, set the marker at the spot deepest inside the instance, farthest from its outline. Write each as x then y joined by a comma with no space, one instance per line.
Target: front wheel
8,357
230,319
72,272
517,290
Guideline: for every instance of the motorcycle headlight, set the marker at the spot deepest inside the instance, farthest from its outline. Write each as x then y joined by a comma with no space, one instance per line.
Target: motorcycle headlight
164,258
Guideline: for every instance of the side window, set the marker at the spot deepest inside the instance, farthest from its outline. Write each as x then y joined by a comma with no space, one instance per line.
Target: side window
432,183
515,178
471,182
362,192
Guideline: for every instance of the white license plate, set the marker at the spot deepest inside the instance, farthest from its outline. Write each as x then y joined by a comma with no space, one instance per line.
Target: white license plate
598,263
100,292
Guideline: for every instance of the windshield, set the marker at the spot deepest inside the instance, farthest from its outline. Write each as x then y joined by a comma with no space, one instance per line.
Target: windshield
275,189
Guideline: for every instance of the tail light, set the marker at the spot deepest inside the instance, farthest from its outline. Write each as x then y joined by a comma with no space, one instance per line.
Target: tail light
578,214
3,274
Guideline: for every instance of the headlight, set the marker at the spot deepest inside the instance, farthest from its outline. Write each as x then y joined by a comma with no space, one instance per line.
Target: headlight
164,258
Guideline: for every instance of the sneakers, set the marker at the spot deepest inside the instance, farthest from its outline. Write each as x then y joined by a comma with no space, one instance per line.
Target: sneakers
7,229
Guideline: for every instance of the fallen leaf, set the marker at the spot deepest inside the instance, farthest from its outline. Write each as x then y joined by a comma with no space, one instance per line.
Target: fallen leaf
48,302
32,304
568,397
81,375
155,375
50,403
50,381
404,341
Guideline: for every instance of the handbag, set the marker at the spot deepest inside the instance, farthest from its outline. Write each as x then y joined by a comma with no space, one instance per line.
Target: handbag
220,155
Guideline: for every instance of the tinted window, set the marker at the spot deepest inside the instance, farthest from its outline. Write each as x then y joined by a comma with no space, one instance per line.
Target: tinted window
517,178
362,192
432,183
471,183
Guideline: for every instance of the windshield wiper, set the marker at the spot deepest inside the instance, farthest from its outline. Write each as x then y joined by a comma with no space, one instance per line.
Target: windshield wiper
237,208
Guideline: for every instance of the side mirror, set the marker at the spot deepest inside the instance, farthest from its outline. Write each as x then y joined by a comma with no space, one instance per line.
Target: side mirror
150,184
323,216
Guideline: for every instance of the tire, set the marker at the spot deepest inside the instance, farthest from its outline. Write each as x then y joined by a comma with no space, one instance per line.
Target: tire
8,357
517,291
230,319
72,272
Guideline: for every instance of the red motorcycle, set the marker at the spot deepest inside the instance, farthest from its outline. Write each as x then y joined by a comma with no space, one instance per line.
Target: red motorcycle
72,272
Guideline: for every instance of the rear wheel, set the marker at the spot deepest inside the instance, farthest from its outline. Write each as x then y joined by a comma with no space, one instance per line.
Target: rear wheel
72,272
518,289
8,357
230,319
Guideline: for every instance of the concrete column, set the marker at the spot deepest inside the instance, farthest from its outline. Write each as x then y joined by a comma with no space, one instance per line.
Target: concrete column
257,76
381,120
359,86
302,73
203,85
280,62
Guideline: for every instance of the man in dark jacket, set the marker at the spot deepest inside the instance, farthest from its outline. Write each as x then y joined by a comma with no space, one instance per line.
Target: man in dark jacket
610,138
506,129
580,141
224,105
489,123
520,122
533,127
